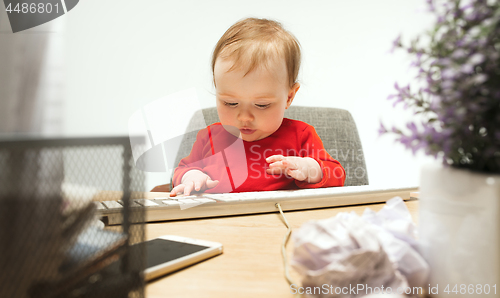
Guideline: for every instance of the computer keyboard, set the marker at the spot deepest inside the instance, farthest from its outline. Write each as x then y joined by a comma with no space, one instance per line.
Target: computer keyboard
161,207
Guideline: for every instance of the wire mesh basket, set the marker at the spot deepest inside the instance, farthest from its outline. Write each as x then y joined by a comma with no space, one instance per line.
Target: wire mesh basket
52,243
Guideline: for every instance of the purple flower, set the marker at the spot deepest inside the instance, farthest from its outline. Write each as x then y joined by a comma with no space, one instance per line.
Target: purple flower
381,130
400,99
430,5
480,78
447,84
396,86
465,6
448,73
444,61
459,53
407,141
395,43
472,16
412,127
458,91
474,107
435,103
476,59
467,68
395,130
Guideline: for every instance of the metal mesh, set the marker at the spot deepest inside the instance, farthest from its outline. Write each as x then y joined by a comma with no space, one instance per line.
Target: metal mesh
52,243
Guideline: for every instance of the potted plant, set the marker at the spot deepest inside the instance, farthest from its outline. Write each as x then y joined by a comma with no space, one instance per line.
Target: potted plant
457,104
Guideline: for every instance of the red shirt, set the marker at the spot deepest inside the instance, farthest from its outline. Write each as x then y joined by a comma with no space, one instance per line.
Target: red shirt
241,166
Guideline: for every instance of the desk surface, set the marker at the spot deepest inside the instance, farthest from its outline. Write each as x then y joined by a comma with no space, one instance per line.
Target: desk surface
251,264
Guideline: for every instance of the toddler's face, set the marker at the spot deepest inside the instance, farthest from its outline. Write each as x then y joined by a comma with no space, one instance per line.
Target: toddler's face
253,103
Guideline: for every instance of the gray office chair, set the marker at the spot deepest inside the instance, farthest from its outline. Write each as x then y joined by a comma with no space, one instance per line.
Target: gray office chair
335,127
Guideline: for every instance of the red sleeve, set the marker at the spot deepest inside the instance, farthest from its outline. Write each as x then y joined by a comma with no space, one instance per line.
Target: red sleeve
194,161
312,146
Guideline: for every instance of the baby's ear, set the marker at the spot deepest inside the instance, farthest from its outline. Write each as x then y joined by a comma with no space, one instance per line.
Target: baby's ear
291,94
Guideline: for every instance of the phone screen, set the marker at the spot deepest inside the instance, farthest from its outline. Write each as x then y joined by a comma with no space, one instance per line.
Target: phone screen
159,251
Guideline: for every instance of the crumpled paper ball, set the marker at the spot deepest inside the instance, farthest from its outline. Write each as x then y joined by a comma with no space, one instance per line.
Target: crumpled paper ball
352,256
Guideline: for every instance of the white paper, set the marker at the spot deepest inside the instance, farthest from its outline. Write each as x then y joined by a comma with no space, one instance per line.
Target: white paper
367,252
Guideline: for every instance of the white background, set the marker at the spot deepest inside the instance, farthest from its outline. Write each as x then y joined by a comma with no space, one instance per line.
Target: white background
121,55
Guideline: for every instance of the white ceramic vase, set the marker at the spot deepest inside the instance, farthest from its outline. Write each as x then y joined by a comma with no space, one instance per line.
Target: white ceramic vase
459,231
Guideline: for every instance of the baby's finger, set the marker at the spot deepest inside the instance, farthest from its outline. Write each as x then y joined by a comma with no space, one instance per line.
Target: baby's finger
289,163
176,190
275,171
296,174
277,164
188,188
197,185
212,183
274,158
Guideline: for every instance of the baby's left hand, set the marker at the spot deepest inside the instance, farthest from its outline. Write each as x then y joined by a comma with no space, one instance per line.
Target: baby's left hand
299,168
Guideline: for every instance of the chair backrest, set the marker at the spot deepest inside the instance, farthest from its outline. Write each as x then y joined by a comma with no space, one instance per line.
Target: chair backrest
335,127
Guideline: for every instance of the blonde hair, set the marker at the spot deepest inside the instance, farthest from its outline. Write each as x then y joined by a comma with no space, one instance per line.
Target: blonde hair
253,42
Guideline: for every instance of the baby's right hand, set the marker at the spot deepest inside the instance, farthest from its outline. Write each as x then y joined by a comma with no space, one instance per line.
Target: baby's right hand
193,180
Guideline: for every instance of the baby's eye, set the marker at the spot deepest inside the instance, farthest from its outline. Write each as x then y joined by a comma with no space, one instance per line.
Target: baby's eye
263,106
231,104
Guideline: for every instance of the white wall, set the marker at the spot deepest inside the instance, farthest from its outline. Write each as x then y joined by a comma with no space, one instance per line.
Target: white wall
124,54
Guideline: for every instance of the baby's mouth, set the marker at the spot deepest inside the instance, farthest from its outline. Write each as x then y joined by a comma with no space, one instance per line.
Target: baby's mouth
247,131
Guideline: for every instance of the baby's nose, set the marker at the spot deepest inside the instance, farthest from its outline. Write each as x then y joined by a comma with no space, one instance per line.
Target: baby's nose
245,116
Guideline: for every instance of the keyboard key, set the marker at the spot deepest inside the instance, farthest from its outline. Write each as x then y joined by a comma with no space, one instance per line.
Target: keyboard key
188,201
205,200
213,196
132,203
99,206
276,196
182,197
112,204
221,197
227,200
146,203
170,202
